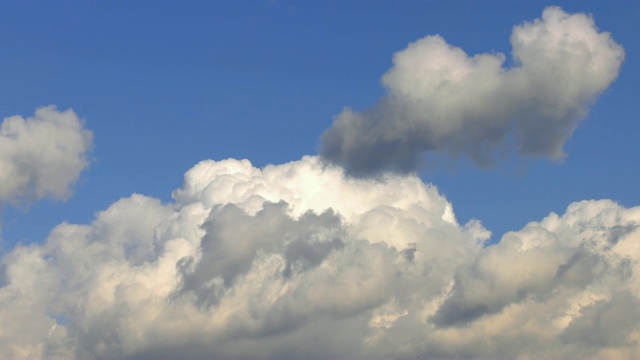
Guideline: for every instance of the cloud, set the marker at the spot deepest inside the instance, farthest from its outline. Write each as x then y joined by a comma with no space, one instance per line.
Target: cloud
441,100
303,260
245,261
258,263
42,156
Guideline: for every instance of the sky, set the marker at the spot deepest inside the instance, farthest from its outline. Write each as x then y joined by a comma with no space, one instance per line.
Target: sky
425,176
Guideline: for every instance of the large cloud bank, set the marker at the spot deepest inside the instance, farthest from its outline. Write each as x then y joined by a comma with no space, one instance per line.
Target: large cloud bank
439,99
42,156
300,261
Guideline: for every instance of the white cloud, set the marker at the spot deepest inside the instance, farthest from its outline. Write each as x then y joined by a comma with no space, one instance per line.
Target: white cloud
42,156
439,99
300,260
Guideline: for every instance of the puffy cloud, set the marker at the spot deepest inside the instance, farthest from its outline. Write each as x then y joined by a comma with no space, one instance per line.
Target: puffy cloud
300,260
42,156
559,285
439,99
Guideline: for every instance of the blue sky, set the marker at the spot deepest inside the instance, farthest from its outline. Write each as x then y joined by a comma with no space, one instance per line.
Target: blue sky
164,86
161,253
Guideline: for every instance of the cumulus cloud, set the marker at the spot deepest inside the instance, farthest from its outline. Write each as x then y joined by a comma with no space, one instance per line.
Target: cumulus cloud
441,100
301,260
42,156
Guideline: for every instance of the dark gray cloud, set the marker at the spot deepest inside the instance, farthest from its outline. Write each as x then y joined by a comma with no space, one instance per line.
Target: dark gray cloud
441,100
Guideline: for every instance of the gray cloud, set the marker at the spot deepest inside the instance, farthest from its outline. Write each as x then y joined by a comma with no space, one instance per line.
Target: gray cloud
234,239
605,323
441,100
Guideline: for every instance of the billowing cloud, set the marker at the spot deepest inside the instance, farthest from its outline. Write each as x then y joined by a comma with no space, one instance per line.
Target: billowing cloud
439,99
42,156
300,260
